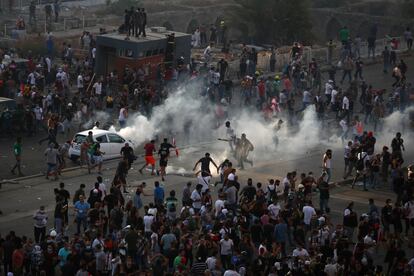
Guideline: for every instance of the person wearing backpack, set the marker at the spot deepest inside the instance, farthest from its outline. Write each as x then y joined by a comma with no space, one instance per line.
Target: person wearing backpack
362,160
171,206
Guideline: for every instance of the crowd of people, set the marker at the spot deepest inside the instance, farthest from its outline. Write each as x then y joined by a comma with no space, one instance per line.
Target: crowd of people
231,228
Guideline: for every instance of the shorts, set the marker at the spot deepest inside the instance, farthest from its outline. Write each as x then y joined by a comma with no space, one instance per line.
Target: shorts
51,167
98,159
163,162
150,160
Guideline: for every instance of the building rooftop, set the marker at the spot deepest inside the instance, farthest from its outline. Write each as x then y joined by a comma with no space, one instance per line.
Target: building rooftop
153,33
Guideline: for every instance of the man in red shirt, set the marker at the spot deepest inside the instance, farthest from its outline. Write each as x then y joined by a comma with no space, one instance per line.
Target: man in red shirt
149,158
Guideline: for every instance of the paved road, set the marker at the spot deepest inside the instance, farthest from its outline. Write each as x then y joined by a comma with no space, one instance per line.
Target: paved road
33,160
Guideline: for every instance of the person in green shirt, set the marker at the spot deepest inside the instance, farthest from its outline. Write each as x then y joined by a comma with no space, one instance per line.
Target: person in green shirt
17,151
344,35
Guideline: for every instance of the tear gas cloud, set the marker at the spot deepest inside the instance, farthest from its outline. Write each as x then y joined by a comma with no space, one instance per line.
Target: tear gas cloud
183,108
186,106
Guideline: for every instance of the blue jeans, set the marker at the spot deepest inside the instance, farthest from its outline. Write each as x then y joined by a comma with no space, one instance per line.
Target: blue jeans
344,135
58,225
323,204
50,168
329,174
374,179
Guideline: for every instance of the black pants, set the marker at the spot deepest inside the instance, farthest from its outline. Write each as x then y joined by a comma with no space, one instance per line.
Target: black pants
136,30
40,234
8,266
142,30
130,28
409,44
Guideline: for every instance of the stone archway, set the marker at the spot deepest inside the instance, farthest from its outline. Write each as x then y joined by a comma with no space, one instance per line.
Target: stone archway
168,26
332,29
192,26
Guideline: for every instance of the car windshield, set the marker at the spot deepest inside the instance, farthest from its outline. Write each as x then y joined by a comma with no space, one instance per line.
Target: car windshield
79,138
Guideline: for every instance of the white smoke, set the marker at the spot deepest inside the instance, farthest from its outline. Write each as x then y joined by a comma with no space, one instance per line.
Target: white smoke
183,107
395,122
187,104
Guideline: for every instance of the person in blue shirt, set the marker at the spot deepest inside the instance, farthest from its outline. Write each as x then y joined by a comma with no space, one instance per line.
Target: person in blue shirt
63,254
281,234
158,195
81,208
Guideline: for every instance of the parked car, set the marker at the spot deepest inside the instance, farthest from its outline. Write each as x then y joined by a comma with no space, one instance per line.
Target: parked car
7,103
110,142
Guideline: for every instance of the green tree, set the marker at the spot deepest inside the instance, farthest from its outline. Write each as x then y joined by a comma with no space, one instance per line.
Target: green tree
273,21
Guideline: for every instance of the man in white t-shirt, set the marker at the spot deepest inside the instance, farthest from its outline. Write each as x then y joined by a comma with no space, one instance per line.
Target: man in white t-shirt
207,53
102,186
409,209
196,198
31,79
308,213
148,221
204,181
300,252
226,249
48,62
79,83
231,272
331,268
334,93
328,90
219,205
98,88
211,263
274,210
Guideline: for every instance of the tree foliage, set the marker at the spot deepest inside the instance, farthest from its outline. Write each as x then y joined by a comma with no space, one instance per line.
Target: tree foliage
278,22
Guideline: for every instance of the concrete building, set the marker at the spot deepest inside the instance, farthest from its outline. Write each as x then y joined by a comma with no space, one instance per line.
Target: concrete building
115,50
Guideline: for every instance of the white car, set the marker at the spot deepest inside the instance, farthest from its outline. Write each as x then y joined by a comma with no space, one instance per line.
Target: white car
110,142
